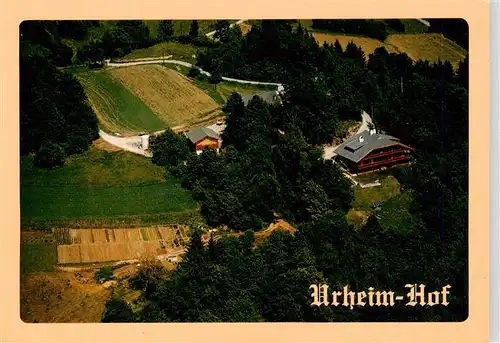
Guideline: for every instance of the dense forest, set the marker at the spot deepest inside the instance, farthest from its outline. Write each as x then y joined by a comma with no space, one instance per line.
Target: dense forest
270,167
377,29
56,120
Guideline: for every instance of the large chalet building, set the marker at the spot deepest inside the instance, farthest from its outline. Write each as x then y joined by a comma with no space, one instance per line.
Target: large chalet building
370,151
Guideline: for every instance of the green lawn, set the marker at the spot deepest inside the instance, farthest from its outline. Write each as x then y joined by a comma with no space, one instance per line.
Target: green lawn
364,198
38,257
101,186
395,212
117,108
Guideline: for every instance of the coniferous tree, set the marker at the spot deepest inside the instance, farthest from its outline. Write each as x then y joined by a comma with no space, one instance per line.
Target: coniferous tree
165,30
193,31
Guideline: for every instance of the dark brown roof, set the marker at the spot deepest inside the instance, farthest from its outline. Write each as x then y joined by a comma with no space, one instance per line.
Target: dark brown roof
355,149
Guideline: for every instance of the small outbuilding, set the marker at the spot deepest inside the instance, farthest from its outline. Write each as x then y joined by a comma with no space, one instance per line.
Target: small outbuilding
202,137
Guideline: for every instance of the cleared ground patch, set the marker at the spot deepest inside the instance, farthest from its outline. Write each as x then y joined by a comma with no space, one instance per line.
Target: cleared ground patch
365,198
395,213
428,46
171,96
61,298
99,188
116,107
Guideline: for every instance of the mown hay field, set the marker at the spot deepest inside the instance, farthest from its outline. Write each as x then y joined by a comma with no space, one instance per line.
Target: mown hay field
421,46
116,107
428,46
171,96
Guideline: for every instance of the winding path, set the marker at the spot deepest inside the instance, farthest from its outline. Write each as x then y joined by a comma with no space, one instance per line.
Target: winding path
133,144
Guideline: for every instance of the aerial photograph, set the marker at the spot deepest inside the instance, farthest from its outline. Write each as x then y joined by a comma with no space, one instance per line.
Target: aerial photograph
244,170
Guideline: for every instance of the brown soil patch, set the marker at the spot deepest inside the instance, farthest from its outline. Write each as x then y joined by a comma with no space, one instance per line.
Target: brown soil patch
280,226
171,96
103,145
61,298
245,28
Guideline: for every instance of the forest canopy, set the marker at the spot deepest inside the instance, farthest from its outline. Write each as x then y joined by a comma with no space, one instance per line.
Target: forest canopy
270,166
56,119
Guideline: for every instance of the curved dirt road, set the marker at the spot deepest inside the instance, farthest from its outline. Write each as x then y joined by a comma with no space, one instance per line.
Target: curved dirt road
241,21
132,144
189,65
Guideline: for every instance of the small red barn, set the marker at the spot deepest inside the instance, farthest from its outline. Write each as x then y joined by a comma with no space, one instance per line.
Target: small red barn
202,137
369,150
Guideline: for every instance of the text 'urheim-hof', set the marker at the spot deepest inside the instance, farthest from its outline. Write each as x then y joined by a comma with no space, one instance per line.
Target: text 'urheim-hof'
416,296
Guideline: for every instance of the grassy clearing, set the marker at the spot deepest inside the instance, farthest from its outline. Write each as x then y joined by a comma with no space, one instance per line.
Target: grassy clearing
395,213
117,108
428,46
364,198
424,46
100,187
171,96
38,257
180,51
187,217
